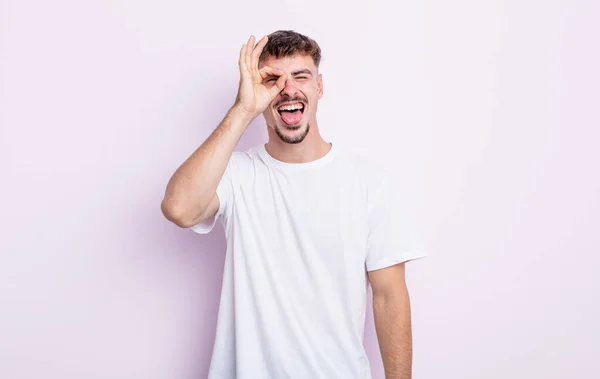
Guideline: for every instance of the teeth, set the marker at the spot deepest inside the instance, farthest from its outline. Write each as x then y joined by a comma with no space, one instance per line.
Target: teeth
290,107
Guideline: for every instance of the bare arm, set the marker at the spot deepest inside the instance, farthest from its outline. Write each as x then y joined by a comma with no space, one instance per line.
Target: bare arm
190,196
193,186
391,310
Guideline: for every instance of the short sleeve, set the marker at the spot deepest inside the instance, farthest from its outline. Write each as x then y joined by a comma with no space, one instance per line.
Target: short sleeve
393,232
224,193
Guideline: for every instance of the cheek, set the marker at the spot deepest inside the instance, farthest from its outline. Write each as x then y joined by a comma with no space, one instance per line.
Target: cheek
268,114
311,92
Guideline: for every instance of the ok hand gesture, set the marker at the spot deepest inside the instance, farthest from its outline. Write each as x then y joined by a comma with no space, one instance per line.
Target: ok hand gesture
253,96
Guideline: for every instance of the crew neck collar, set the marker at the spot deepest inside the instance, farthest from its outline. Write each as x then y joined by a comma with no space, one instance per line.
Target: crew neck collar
297,166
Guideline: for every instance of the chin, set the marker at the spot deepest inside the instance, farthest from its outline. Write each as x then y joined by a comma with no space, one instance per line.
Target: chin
292,136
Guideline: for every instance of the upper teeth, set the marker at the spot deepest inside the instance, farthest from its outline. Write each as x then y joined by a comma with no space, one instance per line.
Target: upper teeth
290,107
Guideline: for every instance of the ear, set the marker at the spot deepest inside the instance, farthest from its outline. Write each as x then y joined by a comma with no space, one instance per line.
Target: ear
320,85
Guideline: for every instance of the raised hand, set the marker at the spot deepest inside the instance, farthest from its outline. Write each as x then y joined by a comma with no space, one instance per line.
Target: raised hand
253,96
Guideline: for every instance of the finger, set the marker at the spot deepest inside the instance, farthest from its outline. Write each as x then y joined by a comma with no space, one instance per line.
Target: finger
249,47
245,74
269,71
242,60
279,86
258,50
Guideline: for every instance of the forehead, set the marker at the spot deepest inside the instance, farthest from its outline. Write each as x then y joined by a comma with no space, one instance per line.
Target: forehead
290,64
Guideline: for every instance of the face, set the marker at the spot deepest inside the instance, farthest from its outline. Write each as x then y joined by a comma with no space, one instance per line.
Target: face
294,109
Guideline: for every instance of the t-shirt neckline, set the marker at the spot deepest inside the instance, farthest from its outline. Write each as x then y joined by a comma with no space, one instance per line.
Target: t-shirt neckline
297,166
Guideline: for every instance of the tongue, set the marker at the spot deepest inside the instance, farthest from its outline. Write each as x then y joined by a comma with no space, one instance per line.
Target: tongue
291,118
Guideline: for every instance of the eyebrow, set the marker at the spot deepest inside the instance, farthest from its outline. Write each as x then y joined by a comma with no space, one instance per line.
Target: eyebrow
303,71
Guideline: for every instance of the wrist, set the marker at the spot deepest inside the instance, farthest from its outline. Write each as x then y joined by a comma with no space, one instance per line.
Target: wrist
241,114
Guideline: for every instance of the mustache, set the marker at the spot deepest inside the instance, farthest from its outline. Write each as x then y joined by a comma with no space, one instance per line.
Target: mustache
290,99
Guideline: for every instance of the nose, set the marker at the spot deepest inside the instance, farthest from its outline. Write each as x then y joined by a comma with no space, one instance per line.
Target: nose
290,88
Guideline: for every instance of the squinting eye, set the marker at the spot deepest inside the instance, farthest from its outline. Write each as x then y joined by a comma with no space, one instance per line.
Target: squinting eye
272,80
302,77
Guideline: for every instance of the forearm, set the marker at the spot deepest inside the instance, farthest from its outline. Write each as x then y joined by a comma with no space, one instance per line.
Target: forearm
193,185
394,332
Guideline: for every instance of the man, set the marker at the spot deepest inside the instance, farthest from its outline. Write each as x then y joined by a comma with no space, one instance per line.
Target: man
306,222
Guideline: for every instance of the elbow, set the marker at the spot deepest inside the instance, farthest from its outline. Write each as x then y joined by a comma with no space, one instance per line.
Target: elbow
177,212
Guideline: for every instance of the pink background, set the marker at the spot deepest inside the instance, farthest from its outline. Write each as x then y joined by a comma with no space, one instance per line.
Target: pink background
489,109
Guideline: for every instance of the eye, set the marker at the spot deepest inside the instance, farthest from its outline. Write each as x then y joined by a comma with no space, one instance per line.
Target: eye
271,79
302,77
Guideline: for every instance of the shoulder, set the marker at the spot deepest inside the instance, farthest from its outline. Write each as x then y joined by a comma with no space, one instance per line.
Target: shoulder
244,158
246,164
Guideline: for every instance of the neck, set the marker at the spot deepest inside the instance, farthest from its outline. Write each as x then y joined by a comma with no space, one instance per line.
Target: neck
311,148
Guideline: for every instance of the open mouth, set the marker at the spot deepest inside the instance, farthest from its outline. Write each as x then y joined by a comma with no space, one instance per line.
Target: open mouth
291,113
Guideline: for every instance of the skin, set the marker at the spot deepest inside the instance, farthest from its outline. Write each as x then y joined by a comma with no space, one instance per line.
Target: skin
302,143
392,315
190,196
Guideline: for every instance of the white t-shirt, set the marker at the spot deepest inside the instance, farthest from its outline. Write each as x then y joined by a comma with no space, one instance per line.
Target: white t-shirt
300,238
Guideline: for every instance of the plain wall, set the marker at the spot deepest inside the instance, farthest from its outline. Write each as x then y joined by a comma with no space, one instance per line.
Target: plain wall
488,108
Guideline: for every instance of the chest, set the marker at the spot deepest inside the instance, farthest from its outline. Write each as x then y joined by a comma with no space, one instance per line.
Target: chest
322,214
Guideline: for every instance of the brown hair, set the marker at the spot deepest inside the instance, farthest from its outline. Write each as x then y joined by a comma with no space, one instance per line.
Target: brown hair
287,43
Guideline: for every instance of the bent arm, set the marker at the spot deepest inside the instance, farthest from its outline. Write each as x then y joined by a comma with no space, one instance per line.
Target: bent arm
190,196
